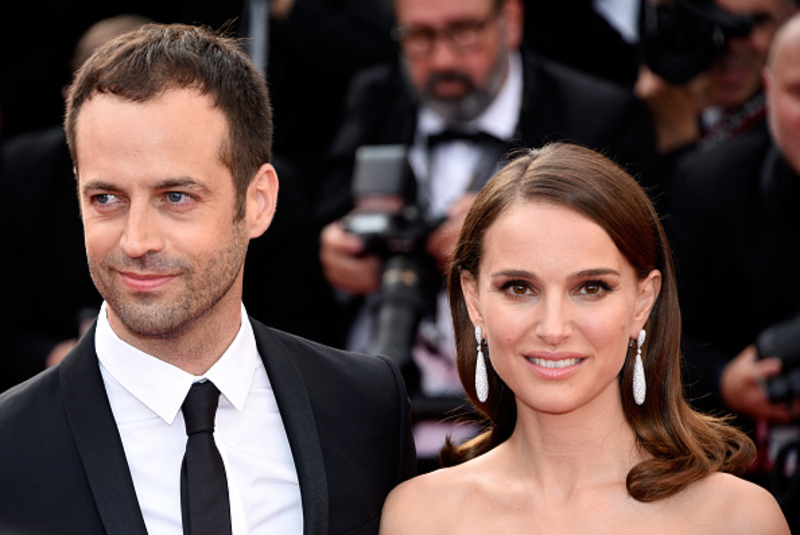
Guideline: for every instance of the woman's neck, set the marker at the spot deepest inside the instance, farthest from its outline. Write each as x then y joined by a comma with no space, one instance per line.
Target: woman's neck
563,454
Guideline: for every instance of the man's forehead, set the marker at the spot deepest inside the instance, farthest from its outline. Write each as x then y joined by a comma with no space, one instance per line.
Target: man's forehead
437,12
787,51
751,7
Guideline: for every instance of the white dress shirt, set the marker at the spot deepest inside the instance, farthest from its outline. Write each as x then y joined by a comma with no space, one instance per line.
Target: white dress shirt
146,395
447,172
622,15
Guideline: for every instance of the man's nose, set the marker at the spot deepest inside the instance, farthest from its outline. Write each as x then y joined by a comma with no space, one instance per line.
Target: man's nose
141,234
442,53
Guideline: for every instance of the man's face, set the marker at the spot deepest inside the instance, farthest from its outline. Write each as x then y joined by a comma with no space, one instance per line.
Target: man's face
456,51
783,96
736,77
158,210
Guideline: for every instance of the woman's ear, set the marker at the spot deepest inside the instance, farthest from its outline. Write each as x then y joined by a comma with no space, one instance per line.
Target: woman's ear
262,199
649,290
469,287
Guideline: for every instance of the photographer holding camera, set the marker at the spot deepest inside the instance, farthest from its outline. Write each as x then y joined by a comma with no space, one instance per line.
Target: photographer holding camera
462,94
736,238
702,80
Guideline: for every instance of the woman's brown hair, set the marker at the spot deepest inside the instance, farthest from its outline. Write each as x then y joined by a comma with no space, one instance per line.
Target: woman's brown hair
683,445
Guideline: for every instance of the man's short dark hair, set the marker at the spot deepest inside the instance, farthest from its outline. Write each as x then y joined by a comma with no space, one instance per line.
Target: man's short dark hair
141,65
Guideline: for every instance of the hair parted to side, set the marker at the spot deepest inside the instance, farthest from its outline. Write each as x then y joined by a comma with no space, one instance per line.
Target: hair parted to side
141,65
684,445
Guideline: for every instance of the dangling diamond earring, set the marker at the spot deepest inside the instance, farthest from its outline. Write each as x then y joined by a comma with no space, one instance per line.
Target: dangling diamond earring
639,383
481,378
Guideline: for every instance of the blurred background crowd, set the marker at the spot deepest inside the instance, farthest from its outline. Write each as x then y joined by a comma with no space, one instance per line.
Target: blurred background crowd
390,115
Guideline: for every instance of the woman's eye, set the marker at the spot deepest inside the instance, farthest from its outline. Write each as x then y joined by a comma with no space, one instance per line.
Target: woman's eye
519,289
516,288
593,288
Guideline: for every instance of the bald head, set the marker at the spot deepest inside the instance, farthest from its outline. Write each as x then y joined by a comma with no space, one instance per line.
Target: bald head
782,83
786,36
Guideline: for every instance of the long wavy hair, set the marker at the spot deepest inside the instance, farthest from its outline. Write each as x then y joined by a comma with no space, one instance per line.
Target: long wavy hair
683,445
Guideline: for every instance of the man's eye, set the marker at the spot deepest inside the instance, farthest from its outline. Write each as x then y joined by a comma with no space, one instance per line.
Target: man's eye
105,198
177,197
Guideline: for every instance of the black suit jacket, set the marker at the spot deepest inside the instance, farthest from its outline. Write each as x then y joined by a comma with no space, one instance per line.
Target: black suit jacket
41,237
735,233
558,104
63,469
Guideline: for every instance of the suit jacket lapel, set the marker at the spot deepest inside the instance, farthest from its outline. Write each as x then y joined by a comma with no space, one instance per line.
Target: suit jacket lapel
294,404
95,432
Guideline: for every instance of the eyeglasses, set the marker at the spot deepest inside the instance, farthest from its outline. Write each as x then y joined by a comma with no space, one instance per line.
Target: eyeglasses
461,35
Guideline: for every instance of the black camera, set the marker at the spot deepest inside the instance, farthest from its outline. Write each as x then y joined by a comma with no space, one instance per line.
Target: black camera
394,228
782,340
682,38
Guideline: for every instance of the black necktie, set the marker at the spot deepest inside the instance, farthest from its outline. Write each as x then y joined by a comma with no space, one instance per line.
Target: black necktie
204,488
453,135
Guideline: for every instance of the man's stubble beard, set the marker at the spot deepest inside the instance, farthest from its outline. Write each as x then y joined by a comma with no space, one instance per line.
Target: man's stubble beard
465,108
170,315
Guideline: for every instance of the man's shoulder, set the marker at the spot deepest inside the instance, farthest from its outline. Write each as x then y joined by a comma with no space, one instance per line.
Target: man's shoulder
561,103
380,77
379,109
29,411
543,72
35,392
734,163
308,354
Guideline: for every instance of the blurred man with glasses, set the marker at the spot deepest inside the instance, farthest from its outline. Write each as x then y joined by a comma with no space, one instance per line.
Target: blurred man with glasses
461,96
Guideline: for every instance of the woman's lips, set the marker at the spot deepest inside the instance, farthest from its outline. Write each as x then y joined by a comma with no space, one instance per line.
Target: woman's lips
555,365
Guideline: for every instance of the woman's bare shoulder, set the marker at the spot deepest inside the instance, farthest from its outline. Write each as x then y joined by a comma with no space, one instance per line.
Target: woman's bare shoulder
736,506
427,503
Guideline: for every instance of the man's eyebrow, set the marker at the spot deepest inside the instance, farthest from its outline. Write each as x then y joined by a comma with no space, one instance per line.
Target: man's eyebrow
167,183
98,185
179,182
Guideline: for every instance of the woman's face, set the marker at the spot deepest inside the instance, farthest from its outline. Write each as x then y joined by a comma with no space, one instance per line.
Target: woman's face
558,305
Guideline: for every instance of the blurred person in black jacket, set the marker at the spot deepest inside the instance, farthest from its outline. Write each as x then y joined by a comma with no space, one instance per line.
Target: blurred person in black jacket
736,237
52,299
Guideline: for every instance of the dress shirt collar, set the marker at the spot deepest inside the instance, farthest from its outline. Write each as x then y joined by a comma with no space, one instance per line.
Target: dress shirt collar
499,119
161,386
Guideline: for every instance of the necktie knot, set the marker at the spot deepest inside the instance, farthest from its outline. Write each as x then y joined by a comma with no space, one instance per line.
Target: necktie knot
200,407
453,135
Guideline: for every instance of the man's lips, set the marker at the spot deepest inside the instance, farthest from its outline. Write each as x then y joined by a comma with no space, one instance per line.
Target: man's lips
143,282
449,88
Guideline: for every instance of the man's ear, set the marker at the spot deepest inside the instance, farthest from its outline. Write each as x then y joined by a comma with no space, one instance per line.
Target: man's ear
262,199
649,290
513,15
78,190
469,287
